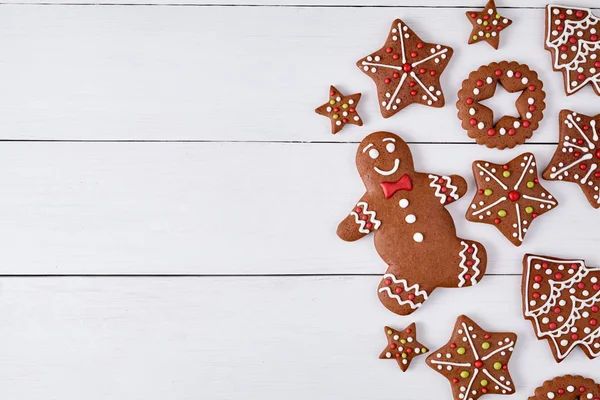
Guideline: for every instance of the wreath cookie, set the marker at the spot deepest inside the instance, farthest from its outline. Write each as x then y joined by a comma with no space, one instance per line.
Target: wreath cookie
568,387
478,119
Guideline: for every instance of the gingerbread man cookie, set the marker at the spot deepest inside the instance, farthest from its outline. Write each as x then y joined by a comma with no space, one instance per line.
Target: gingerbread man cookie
402,346
561,298
414,233
572,37
568,387
406,70
577,156
340,109
474,361
487,25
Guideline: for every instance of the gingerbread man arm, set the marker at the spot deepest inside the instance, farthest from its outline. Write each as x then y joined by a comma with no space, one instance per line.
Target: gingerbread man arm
447,188
361,221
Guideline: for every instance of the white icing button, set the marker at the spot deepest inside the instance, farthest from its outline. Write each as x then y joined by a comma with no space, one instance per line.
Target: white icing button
410,218
550,395
403,203
388,354
418,237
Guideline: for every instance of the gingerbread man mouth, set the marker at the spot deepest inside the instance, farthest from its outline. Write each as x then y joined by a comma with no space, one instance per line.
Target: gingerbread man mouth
389,172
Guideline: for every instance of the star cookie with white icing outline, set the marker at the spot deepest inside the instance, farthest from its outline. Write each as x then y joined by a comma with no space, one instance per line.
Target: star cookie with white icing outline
474,361
340,109
487,25
573,40
509,196
561,298
402,346
577,156
406,70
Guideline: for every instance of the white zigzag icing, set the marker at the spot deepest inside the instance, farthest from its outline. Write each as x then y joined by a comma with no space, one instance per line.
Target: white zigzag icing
477,271
414,287
461,279
398,299
438,188
362,223
453,188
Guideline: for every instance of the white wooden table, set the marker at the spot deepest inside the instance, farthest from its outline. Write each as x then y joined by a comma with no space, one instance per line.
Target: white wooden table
169,200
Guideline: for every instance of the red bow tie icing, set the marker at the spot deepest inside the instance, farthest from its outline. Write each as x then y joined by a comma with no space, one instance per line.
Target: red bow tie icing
389,188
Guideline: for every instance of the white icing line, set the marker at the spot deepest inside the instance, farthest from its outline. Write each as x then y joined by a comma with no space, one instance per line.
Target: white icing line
470,342
590,143
429,58
468,391
496,381
569,144
383,65
371,214
529,160
493,176
498,350
398,299
540,200
477,271
402,43
461,279
412,73
437,187
519,221
362,223
404,283
402,78
391,171
453,189
451,363
367,147
500,200
585,178
593,125
560,171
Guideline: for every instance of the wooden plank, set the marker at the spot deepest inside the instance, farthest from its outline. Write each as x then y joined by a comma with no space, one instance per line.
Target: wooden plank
230,208
225,338
182,73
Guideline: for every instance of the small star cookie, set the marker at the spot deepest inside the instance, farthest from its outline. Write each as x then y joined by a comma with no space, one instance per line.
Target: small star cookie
403,346
577,156
341,110
474,361
487,25
509,196
406,70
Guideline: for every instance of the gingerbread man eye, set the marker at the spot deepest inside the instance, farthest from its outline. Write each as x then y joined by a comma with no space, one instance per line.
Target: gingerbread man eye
390,147
373,153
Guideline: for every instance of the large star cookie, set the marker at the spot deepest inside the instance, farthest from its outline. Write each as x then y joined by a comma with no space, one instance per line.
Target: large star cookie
340,109
561,298
487,25
568,387
572,37
402,346
577,156
474,361
406,70
509,196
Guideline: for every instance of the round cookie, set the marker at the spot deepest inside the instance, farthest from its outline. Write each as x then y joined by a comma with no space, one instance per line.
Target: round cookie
567,387
478,120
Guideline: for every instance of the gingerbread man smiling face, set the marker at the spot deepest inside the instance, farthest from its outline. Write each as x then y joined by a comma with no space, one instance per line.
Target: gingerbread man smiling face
414,233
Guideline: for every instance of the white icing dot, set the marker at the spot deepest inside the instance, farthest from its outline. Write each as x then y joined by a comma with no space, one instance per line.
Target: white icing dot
570,389
409,340
502,131
536,286
410,218
396,337
509,73
471,111
480,125
377,58
405,361
403,203
489,80
517,124
524,80
338,122
369,58
476,91
418,237
545,320
388,354
350,101
328,109
373,70
528,115
530,100
550,395
356,118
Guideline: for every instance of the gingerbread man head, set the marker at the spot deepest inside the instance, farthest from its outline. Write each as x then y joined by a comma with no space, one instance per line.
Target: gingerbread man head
383,157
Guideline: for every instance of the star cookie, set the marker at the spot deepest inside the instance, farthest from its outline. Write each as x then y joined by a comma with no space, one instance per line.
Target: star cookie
572,38
568,387
406,70
561,298
341,110
474,361
577,156
509,196
487,25
402,346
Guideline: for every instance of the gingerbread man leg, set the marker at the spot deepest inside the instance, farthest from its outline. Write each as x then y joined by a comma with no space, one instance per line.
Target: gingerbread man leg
400,294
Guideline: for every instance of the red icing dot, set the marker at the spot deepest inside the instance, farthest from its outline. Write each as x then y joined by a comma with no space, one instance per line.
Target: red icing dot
514,195
408,330
484,390
557,310
406,67
398,290
411,296
470,250
487,28
387,80
581,285
422,70
499,28
582,389
336,109
395,56
473,121
579,14
552,325
449,199
369,226
576,154
561,16
526,124
593,322
534,215
432,73
532,108
538,278
351,109
536,295
486,336
413,92
574,336
531,88
596,174
580,141
479,82
517,74
497,220
595,308
358,210
563,48
473,15
364,217
561,391
332,93
558,275
491,132
413,54
559,28
397,355
467,277
444,189
469,263
388,282
597,64
408,350
585,127
393,346
388,50
511,132
596,287
396,75
581,77
455,380
440,181
478,364
470,101
545,265
480,191
505,367
419,45
452,345
582,166
344,120
505,167
412,84
498,72
486,17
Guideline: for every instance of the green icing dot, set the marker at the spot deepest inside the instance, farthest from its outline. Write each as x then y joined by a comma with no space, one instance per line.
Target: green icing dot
390,332
423,350
487,35
506,174
485,23
497,366
464,374
483,383
530,184
403,341
332,102
502,213
461,350
475,37
498,16
335,116
344,105
528,210
488,192
404,355
485,345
